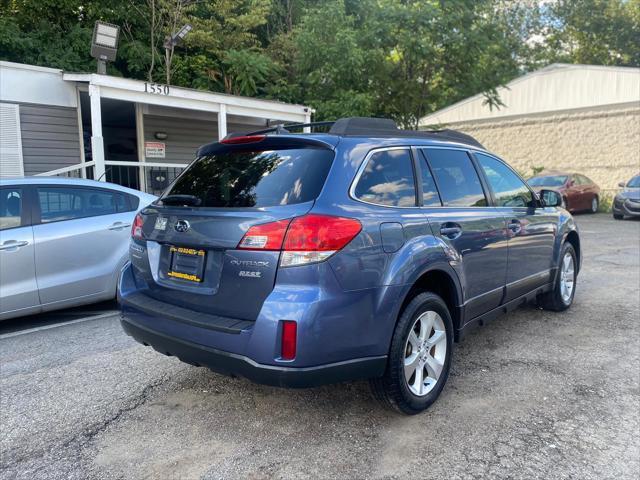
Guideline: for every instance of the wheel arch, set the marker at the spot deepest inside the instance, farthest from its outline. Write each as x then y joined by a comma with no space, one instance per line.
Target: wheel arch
574,239
445,284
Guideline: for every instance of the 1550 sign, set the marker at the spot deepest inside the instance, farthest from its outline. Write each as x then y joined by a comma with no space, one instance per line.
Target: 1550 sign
156,88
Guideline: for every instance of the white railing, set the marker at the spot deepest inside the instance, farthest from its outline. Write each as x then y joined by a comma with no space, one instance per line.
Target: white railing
66,170
151,177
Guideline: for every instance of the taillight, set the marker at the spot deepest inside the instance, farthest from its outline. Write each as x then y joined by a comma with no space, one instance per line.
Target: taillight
268,236
136,227
314,238
308,239
289,334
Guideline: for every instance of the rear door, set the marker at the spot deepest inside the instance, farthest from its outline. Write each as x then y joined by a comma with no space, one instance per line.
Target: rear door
530,227
468,225
18,288
189,255
80,241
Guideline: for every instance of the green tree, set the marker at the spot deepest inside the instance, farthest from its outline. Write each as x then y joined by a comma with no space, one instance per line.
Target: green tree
599,32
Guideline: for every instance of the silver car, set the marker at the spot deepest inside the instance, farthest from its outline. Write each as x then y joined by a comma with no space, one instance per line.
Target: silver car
63,241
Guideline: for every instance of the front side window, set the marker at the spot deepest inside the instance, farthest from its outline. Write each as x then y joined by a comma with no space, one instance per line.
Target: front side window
254,178
457,179
64,203
507,187
10,208
387,179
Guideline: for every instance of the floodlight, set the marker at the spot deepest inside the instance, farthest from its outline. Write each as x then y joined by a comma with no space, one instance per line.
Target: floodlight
177,38
104,44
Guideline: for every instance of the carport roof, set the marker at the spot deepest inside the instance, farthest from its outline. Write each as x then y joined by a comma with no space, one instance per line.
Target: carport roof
188,98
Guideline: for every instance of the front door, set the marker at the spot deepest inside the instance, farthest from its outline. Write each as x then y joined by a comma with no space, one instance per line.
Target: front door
530,227
469,226
18,288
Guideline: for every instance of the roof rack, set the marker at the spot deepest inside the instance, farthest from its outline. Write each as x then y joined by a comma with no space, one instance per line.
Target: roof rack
366,126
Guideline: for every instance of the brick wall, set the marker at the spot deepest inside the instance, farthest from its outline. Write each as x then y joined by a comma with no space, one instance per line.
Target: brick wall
603,145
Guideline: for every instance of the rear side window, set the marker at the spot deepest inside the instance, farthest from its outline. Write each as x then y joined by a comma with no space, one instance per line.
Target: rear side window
508,189
10,208
387,179
457,179
430,196
64,203
255,178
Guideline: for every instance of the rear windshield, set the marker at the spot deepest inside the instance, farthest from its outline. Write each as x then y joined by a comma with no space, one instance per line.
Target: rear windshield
255,178
550,181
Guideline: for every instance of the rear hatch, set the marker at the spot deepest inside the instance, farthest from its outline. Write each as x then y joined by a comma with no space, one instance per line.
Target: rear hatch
192,232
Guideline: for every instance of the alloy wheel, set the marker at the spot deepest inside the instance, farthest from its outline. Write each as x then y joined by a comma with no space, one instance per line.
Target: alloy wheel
425,353
567,277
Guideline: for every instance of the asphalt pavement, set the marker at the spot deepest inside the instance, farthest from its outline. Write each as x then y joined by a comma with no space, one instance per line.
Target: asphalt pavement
534,394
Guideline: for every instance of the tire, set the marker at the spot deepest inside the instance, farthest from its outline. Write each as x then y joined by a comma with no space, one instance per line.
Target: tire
392,390
617,216
557,299
595,203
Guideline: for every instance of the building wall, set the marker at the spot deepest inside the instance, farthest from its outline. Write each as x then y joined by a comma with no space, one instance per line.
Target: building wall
603,144
50,137
184,135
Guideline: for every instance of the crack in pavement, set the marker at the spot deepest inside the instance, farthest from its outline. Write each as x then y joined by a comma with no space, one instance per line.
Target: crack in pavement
88,434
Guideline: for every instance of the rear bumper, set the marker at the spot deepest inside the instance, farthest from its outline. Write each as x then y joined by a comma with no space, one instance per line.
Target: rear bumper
238,365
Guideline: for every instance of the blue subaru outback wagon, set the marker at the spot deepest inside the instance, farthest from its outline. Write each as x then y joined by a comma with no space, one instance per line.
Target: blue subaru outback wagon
360,253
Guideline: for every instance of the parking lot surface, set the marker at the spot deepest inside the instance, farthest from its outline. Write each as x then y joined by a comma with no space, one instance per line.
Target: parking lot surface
534,394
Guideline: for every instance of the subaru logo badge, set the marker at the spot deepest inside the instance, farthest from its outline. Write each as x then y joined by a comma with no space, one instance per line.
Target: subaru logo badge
182,226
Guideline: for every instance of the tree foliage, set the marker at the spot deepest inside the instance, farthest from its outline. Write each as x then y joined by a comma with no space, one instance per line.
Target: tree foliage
397,58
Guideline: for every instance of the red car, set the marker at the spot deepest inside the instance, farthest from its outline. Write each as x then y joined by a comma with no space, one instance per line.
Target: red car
579,193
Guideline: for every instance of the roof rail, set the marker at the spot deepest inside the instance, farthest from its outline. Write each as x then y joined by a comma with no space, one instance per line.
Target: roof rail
366,126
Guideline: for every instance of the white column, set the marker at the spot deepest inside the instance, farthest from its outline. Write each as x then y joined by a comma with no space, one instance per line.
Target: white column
97,142
140,145
307,119
222,121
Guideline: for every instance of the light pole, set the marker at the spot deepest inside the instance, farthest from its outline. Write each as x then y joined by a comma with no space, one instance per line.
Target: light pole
104,44
170,43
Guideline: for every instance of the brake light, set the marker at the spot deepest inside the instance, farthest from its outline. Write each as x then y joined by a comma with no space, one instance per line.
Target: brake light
136,227
314,238
242,139
289,334
308,239
268,236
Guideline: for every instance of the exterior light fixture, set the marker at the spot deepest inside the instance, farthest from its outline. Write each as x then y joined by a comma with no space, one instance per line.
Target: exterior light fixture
170,42
104,44
161,135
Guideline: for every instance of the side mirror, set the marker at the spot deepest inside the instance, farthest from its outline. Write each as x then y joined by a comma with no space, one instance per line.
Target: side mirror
622,184
550,198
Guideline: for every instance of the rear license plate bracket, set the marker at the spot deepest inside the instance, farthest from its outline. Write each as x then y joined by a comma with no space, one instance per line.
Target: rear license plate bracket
187,264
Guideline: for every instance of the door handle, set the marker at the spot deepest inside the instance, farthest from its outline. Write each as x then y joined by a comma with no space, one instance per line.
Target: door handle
451,230
119,226
10,244
515,226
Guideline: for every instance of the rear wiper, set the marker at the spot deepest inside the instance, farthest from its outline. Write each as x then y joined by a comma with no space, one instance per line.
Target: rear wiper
187,200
